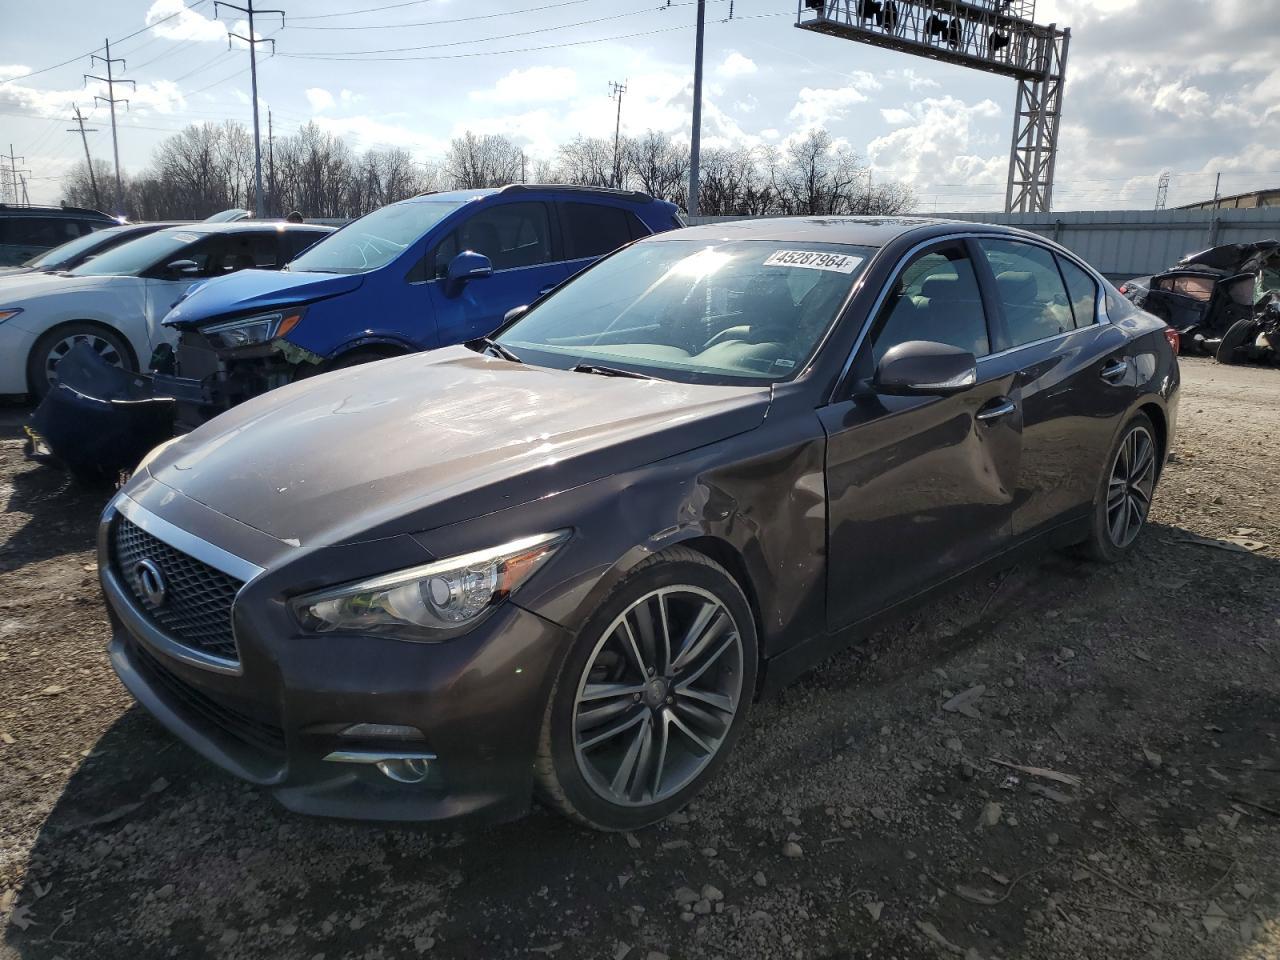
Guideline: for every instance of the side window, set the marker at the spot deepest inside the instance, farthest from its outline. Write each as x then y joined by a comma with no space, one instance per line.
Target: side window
512,235
247,251
594,229
82,228
1083,291
1197,288
205,253
1029,287
445,251
935,297
36,232
295,241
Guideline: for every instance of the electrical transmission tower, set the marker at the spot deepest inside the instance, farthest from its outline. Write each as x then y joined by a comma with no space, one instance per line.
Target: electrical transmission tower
616,90
1162,190
111,98
88,160
253,41
11,184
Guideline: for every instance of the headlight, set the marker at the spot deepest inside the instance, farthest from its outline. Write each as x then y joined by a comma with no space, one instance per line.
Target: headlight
249,331
430,602
6,314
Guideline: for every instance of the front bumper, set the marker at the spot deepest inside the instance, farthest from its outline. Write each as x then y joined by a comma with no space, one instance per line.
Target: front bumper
274,717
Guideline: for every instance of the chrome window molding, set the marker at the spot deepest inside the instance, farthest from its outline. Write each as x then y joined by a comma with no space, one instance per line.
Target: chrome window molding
188,543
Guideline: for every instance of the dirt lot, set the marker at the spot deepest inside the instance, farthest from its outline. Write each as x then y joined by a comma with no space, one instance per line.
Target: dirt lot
858,818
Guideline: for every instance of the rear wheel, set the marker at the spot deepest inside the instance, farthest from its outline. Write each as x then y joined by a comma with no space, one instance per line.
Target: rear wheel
42,363
1124,496
652,697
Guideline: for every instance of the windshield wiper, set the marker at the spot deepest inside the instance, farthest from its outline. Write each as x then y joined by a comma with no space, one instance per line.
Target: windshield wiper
608,371
493,345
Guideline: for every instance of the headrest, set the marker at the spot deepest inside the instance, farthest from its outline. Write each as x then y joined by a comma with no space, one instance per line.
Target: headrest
1017,286
940,288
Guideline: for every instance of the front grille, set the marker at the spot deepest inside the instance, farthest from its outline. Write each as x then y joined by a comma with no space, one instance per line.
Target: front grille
198,705
196,608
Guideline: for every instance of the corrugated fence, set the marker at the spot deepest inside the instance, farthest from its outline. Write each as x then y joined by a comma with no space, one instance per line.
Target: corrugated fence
1130,243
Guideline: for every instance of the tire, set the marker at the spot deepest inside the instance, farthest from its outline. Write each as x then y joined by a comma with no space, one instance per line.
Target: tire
42,361
689,714
1103,545
1233,340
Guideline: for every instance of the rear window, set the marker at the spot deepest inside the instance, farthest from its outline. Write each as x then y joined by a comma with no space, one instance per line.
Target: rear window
42,231
594,229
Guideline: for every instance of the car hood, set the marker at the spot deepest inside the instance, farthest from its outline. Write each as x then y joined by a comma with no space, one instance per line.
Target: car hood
416,442
247,290
24,287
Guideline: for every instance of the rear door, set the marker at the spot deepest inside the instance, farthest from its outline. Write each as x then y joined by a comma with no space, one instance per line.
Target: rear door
1073,371
919,488
519,240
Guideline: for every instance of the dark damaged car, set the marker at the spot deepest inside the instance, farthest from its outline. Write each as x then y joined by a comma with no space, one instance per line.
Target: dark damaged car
1224,301
563,562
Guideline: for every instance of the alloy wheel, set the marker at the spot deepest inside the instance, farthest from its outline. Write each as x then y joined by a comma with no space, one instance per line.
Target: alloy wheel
102,347
658,696
1130,487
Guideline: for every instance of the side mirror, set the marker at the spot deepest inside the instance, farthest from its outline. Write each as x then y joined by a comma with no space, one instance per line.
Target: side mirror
181,268
515,313
922,367
468,265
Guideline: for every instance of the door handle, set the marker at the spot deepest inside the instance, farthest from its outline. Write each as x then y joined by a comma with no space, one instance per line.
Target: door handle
995,409
1114,371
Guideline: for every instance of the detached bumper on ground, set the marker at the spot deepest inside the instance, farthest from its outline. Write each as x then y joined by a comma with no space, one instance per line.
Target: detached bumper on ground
348,726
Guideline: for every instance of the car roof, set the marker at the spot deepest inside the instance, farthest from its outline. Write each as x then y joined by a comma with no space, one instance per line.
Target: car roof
607,193
856,231
28,210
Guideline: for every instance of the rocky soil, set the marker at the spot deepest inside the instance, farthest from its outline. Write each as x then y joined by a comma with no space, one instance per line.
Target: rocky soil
1065,761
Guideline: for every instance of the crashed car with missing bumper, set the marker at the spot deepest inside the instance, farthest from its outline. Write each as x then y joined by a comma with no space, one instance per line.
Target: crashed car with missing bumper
1224,301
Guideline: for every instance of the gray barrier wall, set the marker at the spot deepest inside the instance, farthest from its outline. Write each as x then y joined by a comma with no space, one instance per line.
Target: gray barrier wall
1130,243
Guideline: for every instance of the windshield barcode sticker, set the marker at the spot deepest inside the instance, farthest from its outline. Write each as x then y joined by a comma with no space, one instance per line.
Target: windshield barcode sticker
813,260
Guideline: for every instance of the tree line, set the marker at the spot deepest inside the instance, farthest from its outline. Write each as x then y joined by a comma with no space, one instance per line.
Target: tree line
209,167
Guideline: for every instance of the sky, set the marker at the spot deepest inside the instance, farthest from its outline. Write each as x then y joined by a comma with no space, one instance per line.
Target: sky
1186,86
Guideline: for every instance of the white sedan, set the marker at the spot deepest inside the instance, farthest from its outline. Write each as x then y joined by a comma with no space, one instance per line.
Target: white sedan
115,301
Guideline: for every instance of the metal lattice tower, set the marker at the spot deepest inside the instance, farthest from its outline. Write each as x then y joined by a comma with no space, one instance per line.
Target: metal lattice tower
995,36
1162,189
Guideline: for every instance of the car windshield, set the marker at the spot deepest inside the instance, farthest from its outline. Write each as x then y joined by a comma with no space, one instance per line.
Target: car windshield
374,240
71,250
693,310
135,256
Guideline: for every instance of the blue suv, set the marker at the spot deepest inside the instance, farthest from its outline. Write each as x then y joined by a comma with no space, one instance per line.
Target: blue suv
437,269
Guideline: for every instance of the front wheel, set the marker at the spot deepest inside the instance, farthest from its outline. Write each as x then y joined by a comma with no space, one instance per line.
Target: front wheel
1125,491
42,363
1233,340
652,697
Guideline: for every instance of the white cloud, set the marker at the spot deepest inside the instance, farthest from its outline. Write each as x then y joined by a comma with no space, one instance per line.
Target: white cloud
320,99
736,65
10,70
532,85
819,106
186,25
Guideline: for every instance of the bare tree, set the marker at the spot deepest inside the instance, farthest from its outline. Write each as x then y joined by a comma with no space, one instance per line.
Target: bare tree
659,166
482,160
587,161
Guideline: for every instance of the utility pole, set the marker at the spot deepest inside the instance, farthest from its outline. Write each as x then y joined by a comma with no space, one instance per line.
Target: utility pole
696,136
13,171
112,99
88,160
1217,186
271,164
253,42
1162,190
616,90
523,178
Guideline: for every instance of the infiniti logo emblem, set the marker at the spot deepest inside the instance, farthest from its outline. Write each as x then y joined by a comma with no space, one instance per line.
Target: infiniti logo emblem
150,581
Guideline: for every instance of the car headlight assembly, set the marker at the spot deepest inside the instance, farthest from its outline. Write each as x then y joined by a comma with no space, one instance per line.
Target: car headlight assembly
251,331
431,602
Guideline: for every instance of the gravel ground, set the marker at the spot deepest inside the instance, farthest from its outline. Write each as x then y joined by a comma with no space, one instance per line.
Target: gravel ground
863,815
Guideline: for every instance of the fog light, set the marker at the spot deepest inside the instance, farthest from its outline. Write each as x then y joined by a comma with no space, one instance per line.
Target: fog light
375,731
409,770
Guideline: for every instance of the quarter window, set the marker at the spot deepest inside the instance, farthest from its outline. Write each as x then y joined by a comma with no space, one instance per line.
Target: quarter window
1030,291
1083,291
935,297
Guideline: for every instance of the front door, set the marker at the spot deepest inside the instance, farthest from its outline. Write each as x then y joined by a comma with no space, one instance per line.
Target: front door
919,488
518,240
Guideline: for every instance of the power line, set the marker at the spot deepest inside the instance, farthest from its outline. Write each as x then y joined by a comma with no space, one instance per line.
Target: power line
352,13
434,23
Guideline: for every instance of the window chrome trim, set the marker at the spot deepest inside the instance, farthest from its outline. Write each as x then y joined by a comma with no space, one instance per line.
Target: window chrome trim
1101,315
188,543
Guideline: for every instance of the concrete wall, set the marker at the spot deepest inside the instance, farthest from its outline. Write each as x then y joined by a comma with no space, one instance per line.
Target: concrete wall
1131,243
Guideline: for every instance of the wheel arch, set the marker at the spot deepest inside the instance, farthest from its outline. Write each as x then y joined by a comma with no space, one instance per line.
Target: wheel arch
1155,413
386,346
